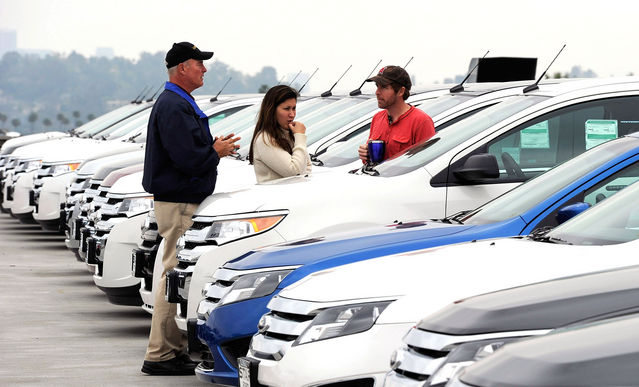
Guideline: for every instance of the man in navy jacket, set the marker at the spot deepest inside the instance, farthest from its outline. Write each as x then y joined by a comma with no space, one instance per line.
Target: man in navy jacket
180,170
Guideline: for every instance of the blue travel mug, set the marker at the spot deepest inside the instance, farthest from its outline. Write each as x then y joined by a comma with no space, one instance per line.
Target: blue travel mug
376,150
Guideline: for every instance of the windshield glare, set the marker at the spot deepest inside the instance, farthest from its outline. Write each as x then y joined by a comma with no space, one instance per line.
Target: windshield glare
524,197
436,106
614,220
423,153
330,124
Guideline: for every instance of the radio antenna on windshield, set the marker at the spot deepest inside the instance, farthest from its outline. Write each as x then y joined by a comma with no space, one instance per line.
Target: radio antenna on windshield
460,87
294,78
410,60
535,85
139,95
154,94
213,99
328,92
308,79
358,91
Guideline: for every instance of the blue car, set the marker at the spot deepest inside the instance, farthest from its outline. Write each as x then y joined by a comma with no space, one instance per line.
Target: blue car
235,302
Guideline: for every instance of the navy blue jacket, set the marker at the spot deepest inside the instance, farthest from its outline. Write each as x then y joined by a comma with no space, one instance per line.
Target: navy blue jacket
180,164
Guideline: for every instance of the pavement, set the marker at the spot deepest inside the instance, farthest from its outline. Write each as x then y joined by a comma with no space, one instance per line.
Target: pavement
56,327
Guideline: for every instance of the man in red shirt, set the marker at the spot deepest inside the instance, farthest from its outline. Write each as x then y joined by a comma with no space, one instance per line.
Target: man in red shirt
399,125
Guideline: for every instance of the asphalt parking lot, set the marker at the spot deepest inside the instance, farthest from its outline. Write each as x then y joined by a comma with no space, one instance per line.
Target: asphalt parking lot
56,327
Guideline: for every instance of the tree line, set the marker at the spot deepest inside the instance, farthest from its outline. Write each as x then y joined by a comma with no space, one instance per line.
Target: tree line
59,92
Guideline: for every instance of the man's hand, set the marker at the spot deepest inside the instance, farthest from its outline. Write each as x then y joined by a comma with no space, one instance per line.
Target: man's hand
363,153
225,145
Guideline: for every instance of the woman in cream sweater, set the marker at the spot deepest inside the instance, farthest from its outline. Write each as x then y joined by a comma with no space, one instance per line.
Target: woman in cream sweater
278,147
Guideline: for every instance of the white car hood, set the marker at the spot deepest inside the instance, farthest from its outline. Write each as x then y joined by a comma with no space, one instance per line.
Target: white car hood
30,139
305,195
128,184
70,149
432,278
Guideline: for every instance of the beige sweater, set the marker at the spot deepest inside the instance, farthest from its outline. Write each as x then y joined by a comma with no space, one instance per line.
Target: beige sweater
272,162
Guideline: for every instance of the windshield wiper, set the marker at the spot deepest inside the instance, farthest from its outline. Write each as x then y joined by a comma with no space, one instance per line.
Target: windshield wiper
541,235
454,217
369,170
130,139
316,161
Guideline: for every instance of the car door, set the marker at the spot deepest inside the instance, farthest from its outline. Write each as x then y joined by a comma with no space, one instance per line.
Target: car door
539,144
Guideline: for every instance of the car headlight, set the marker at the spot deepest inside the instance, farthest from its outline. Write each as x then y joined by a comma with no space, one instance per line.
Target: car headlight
464,355
341,321
33,164
59,169
223,231
254,286
133,206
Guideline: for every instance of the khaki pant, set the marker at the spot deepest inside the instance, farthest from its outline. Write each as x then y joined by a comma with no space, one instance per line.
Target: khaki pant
166,341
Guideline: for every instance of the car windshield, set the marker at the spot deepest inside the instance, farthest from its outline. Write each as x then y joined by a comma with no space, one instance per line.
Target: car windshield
425,152
331,123
115,118
614,220
316,108
436,106
128,127
526,196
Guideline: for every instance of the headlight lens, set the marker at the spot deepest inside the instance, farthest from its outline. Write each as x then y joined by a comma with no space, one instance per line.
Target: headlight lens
63,168
132,206
254,286
464,355
223,231
342,321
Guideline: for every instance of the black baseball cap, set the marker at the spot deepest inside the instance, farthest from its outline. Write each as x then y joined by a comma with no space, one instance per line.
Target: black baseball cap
389,74
183,51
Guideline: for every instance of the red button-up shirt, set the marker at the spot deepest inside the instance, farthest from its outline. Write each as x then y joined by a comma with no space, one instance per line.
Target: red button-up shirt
410,128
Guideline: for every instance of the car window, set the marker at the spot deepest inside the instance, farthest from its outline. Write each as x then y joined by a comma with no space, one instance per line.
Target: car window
215,118
423,153
525,197
538,145
598,192
614,220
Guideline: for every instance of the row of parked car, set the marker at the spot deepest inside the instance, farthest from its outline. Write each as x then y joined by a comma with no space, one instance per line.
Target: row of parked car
510,231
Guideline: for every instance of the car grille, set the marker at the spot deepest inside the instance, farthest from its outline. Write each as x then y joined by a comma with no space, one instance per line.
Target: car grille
278,329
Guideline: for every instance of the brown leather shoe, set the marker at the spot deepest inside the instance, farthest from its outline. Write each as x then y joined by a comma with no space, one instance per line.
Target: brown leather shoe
175,366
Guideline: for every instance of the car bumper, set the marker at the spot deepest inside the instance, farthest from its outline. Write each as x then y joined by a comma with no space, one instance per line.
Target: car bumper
227,333
360,356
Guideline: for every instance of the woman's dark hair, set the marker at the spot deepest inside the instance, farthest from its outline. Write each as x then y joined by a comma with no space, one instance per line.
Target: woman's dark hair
267,121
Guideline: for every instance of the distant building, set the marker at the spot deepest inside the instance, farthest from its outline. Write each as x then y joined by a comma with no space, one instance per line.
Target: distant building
106,52
8,41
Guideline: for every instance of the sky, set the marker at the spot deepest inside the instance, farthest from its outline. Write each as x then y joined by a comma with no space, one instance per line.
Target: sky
331,35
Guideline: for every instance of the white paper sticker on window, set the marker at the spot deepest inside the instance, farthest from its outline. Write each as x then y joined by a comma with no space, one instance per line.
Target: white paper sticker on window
600,131
536,136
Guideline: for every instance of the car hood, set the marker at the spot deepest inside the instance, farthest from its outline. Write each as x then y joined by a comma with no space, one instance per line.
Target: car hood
594,355
432,278
544,305
91,166
128,184
367,241
367,198
12,144
68,149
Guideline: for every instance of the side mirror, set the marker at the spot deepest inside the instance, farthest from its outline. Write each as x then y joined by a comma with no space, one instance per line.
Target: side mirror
477,167
570,211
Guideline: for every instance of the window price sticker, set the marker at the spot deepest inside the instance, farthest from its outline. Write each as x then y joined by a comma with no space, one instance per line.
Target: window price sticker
536,136
600,131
